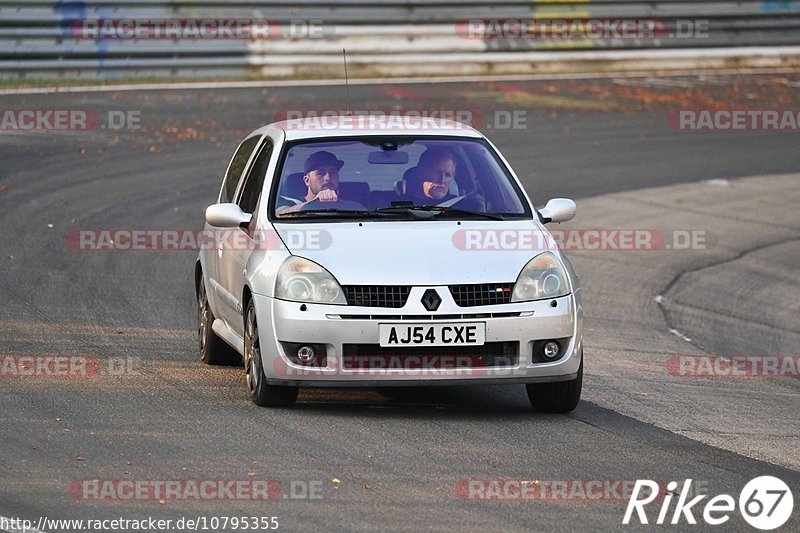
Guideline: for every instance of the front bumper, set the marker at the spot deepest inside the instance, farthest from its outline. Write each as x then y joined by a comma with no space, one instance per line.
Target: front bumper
335,326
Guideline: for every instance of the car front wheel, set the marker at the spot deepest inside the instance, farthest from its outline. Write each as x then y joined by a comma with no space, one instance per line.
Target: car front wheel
261,393
560,397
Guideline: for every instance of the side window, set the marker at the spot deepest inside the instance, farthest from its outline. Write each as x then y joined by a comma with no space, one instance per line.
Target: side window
255,178
236,168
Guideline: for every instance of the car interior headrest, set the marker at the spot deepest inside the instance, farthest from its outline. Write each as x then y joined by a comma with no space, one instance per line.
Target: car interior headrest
294,186
401,185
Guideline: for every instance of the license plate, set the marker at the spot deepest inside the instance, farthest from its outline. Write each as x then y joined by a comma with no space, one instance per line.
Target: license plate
466,334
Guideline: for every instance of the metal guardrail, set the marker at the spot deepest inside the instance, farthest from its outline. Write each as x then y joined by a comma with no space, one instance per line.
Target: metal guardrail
39,39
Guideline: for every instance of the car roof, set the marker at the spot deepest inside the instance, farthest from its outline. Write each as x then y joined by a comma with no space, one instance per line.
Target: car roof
313,127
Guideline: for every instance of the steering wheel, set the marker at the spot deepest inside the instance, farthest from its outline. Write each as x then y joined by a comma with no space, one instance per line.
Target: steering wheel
473,201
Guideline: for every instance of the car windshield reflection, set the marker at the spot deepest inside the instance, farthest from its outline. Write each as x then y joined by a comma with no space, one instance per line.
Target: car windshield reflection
410,178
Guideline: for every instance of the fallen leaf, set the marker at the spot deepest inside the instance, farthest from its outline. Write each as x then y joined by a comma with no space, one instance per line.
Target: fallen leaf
36,448
80,458
336,481
365,486
251,474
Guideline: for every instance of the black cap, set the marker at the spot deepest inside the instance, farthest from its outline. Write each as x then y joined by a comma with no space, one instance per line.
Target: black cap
317,159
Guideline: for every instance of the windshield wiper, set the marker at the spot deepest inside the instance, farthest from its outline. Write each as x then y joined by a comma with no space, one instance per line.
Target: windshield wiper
437,210
332,211
415,211
457,211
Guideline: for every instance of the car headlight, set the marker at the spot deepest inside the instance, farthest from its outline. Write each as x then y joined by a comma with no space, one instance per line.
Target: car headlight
543,277
301,280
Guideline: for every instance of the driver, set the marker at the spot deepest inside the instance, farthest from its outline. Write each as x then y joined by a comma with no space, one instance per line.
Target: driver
321,179
430,183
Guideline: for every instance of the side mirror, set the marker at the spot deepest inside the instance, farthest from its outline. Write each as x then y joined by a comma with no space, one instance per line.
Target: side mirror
558,210
226,216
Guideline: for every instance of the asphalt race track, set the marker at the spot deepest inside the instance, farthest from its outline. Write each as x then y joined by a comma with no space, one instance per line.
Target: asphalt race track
374,459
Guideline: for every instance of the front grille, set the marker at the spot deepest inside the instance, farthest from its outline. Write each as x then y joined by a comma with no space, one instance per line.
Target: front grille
374,356
377,295
482,294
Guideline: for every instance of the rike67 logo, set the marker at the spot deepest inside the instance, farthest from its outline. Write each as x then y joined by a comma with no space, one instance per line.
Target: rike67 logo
765,503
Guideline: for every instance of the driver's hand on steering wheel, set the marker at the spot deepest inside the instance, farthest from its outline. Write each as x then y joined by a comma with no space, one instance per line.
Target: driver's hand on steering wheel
327,195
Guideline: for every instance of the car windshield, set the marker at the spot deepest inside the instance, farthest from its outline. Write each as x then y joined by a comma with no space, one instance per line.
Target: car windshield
384,179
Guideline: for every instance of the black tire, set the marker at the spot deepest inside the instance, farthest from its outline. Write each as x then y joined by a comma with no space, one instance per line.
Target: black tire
559,397
213,350
261,393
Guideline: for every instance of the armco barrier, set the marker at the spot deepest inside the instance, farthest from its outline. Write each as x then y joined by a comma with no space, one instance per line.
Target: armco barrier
40,39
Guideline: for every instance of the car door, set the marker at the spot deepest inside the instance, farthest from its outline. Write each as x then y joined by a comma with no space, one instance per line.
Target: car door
227,194
239,245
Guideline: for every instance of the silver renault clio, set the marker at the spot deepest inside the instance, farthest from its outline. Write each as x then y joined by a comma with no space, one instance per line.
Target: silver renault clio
358,252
